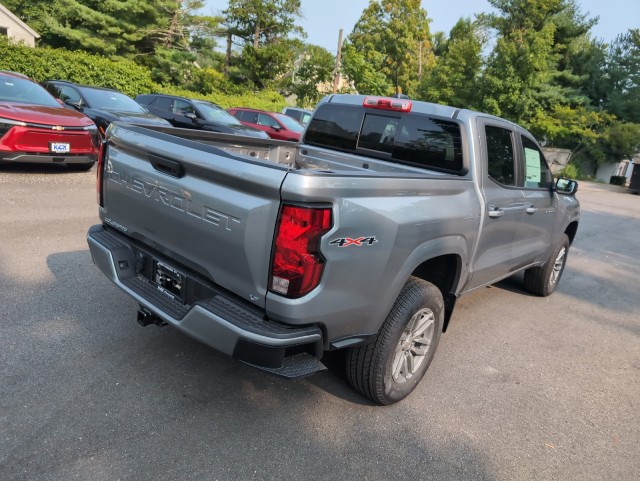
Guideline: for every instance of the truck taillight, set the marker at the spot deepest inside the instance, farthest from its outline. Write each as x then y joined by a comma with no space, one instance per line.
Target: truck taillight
296,266
100,173
384,103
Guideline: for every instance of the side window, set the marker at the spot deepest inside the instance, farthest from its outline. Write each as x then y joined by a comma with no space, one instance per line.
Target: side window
536,171
267,121
148,101
501,166
68,93
163,103
53,90
247,116
180,107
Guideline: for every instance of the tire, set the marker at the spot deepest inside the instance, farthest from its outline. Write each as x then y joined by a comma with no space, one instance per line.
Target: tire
80,167
544,279
388,369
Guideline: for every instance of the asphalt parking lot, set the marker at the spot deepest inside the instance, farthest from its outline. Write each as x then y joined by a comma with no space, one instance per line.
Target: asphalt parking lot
521,388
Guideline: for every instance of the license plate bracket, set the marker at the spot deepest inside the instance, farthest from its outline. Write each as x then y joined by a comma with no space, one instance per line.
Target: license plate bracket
169,280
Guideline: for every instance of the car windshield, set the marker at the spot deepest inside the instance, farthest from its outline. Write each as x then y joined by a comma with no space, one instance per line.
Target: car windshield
213,113
14,89
110,100
289,123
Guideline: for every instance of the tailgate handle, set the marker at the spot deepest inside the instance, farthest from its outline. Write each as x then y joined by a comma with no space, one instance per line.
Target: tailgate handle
166,166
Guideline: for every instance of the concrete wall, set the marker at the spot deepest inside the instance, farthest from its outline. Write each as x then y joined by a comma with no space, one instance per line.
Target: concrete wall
557,158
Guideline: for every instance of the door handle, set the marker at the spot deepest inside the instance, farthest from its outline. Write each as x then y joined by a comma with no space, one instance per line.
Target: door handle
531,210
495,212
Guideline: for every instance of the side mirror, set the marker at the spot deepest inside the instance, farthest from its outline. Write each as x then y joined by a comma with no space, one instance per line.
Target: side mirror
566,186
74,103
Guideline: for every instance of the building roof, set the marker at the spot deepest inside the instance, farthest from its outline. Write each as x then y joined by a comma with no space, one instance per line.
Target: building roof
9,14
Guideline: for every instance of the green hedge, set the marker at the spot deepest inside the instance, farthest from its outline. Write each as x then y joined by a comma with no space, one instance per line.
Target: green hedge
44,63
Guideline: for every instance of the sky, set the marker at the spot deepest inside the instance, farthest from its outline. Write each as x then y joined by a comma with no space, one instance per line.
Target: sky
322,19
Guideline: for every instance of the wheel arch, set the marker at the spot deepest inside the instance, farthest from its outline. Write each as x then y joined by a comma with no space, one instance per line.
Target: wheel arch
444,272
571,231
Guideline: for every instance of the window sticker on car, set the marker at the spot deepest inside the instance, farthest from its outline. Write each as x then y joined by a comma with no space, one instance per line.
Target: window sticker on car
532,162
347,241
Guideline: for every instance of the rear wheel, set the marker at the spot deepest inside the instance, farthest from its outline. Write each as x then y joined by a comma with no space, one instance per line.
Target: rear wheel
543,280
388,369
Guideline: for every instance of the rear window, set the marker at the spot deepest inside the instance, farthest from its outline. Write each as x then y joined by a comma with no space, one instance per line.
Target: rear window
412,139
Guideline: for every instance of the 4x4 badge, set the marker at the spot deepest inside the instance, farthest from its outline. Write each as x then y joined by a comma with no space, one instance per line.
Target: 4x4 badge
348,241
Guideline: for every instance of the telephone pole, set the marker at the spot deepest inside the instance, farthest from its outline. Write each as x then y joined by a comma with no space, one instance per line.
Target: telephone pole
336,72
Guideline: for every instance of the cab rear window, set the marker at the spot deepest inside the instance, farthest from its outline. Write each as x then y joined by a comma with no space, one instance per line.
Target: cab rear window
409,138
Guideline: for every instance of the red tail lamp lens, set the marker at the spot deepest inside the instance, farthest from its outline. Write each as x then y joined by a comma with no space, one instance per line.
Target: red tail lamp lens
297,264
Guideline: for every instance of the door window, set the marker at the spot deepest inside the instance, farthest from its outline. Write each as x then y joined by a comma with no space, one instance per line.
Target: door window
267,121
501,166
68,93
163,103
180,107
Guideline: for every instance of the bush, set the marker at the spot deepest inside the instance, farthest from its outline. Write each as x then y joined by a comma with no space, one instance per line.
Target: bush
44,63
618,180
570,171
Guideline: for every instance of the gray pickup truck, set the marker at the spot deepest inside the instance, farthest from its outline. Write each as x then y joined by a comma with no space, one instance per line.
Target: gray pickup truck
360,237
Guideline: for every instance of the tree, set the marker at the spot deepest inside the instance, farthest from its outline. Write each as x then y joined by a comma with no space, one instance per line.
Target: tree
623,77
108,28
311,80
363,71
391,37
265,30
531,67
454,78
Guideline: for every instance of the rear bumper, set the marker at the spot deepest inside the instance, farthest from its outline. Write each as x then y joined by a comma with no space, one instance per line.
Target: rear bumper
47,158
218,320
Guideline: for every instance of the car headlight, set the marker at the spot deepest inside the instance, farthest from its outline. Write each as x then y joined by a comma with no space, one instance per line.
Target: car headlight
95,134
8,124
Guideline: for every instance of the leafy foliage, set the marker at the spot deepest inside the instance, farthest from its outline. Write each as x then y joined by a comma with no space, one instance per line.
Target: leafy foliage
623,77
312,77
454,78
48,63
391,37
265,31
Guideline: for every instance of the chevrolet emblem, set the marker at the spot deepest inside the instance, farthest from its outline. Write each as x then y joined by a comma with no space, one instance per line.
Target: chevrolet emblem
57,127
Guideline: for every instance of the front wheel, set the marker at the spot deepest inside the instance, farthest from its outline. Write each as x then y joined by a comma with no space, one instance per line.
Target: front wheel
388,369
543,280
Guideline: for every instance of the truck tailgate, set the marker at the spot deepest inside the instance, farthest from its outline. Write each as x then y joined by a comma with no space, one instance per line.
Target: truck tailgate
212,211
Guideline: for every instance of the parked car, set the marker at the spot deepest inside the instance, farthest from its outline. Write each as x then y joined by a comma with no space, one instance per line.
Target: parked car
196,114
36,128
277,126
301,115
101,105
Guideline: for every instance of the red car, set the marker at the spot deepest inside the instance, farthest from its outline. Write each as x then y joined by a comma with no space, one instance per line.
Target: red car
278,126
36,128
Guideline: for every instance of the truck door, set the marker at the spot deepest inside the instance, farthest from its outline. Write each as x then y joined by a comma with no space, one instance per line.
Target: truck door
533,239
504,203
